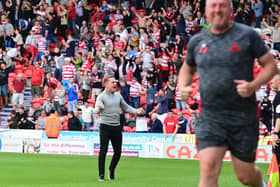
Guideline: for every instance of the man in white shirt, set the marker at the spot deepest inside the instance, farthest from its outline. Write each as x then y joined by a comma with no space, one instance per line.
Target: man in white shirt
14,53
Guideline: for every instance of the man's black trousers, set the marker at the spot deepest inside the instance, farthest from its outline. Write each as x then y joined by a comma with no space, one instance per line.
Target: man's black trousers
107,133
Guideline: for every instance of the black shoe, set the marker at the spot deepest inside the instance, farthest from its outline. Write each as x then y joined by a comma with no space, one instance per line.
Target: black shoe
111,174
101,178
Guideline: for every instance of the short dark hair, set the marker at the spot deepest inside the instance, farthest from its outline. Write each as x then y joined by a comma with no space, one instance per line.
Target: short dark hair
71,112
52,111
106,79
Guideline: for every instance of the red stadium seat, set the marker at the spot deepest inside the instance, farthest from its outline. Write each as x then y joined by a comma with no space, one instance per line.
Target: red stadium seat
36,103
175,111
133,129
126,129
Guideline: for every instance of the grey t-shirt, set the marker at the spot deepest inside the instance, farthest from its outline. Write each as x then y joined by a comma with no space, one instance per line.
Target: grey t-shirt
221,59
110,115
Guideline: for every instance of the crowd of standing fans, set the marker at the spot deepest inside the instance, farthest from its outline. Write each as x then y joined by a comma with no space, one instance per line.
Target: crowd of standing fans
64,49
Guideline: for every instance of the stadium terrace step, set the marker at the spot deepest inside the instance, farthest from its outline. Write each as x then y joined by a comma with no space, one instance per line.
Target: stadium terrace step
7,110
5,114
9,106
27,94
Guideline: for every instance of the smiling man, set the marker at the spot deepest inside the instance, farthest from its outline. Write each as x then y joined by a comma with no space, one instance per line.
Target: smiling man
224,56
108,105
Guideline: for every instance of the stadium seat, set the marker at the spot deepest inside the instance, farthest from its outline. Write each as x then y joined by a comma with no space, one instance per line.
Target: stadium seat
126,129
175,111
133,129
36,103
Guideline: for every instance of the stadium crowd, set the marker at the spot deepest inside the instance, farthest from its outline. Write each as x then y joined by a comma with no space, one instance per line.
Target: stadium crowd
64,49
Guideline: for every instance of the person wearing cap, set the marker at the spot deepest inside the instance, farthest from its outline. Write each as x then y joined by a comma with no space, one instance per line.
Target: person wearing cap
17,88
68,72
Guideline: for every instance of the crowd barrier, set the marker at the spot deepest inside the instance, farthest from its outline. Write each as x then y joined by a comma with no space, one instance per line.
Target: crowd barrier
142,145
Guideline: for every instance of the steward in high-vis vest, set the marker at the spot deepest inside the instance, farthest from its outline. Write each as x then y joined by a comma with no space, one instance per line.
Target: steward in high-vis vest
53,125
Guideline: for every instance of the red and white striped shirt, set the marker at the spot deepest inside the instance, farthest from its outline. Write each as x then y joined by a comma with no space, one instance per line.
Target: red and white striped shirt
41,13
110,65
42,44
68,72
135,90
108,42
36,29
263,129
96,40
178,95
164,62
189,27
56,93
87,66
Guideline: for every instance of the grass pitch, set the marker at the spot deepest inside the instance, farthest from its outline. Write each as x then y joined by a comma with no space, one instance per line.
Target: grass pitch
31,170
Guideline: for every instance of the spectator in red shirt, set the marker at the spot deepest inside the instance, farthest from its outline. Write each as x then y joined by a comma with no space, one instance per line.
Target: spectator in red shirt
17,88
33,51
37,80
170,125
72,17
118,44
